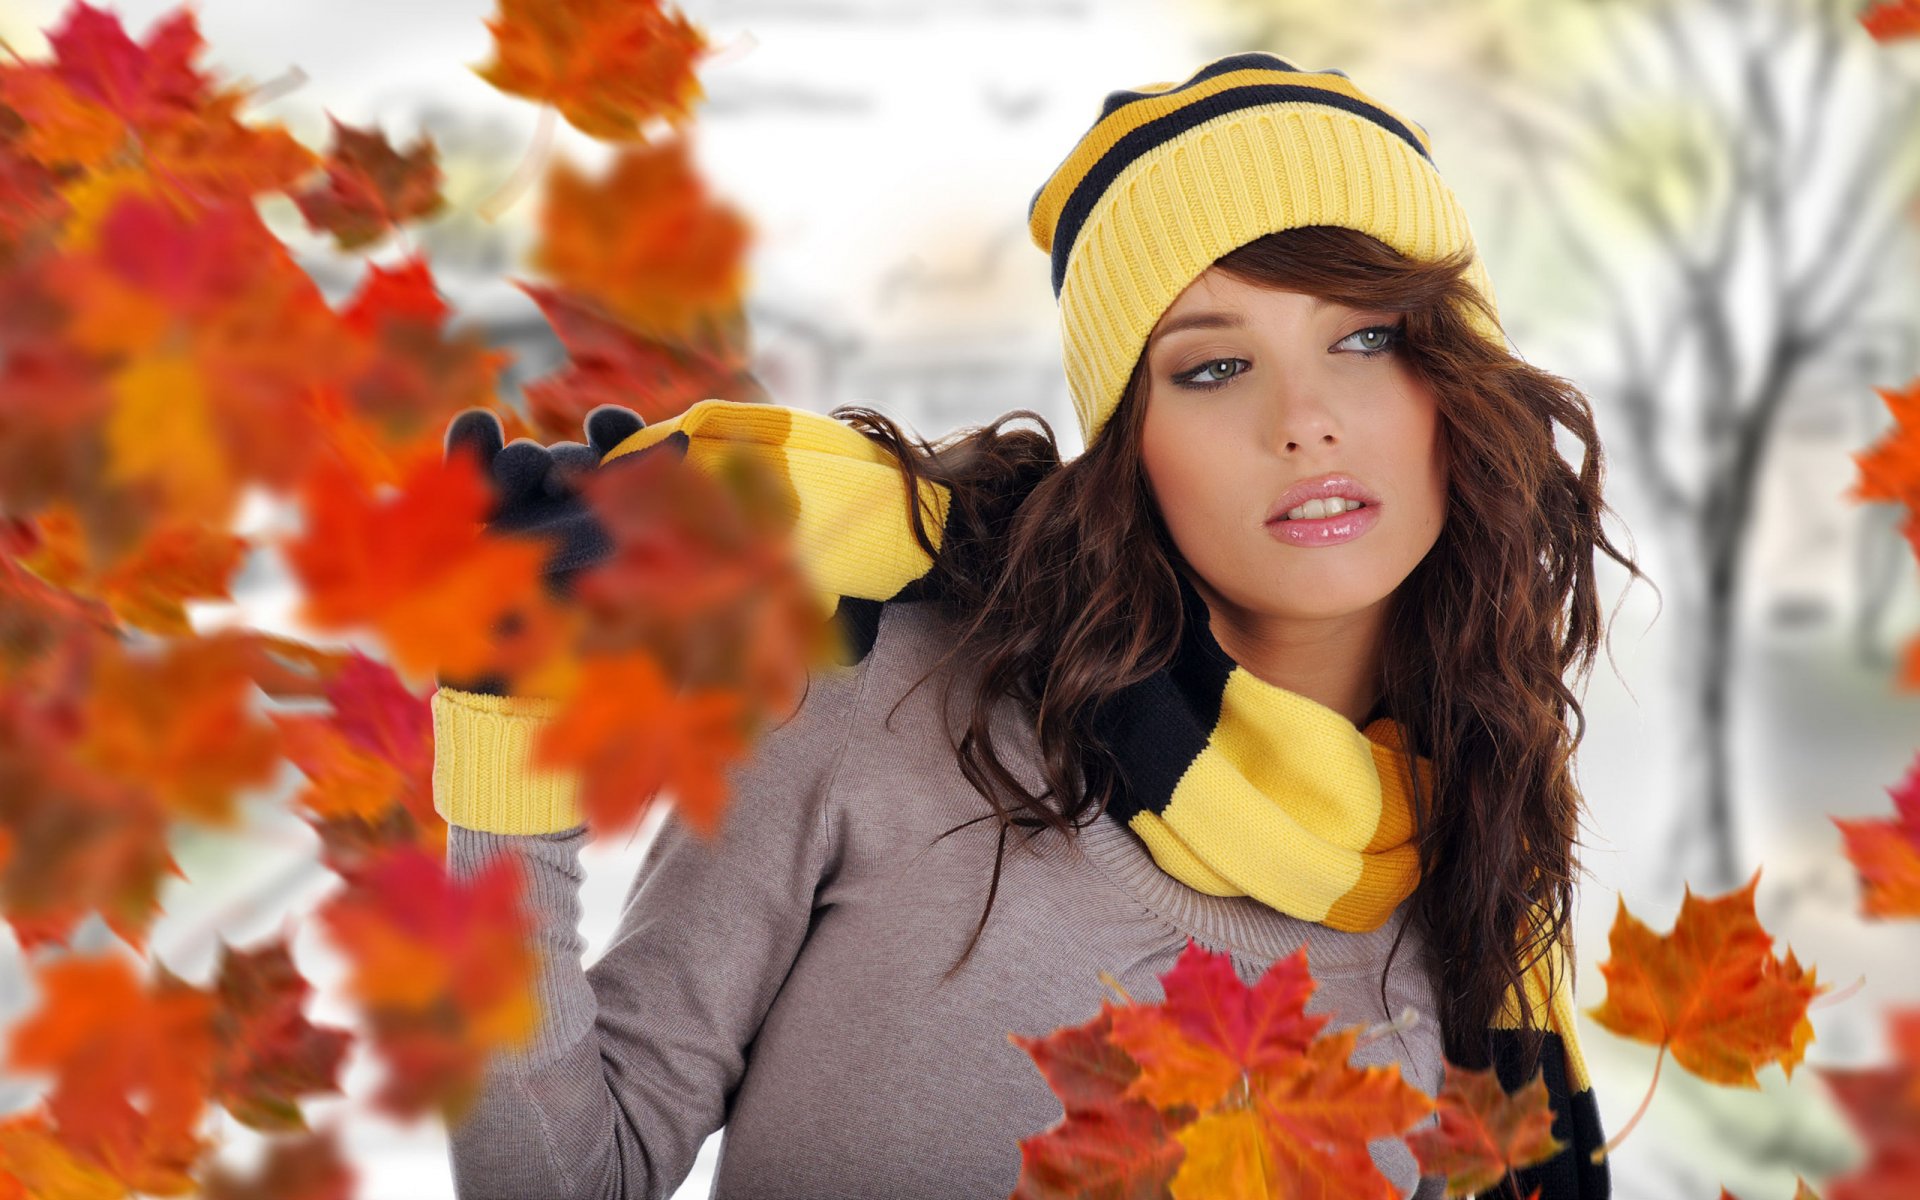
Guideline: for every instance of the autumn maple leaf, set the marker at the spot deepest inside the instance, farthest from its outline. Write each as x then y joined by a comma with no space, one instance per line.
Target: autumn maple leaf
109,1039
1887,852
1107,1142
1280,1109
369,765
406,372
312,1167
417,566
104,97
443,969
147,586
1890,471
645,242
1213,1030
1484,1133
1891,19
609,66
610,363
269,1053
631,733
215,338
371,187
1711,992
1883,1105
178,721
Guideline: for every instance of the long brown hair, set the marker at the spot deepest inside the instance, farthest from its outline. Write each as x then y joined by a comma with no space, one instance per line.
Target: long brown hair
1061,580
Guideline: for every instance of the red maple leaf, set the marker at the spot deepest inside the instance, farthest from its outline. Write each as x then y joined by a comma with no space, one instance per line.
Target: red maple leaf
443,969
1886,853
371,188
1883,1105
1106,1143
268,1052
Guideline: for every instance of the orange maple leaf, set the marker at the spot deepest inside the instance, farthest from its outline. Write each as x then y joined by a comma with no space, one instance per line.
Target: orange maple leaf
1890,471
36,1165
179,722
1484,1133
147,586
1281,1110
1305,1132
1710,991
215,336
371,756
608,65
76,839
631,733
609,363
646,243
1886,853
418,567
109,1040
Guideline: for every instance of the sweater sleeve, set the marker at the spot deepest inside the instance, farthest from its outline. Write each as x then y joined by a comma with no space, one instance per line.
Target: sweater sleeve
637,1056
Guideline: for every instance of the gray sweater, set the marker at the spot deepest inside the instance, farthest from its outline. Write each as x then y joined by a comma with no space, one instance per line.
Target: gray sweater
785,980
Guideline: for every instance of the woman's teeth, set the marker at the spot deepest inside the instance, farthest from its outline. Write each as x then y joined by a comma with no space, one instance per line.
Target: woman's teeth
1314,510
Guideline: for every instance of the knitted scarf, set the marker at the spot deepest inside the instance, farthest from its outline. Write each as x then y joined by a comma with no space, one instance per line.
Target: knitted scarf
1237,786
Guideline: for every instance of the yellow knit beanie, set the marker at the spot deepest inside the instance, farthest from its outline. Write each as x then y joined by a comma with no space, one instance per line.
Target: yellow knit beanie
1171,177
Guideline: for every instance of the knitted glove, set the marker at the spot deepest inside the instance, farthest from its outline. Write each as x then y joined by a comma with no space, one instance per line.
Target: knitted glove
535,492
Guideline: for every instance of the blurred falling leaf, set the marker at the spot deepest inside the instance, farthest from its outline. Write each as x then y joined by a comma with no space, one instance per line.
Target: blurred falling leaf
1886,853
645,242
371,188
108,1039
609,66
443,968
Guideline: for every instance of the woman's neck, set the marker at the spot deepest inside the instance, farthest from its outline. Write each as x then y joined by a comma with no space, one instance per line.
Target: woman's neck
1334,661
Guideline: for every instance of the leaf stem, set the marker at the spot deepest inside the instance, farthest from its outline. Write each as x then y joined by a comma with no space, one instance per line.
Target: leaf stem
1409,1017
1838,996
1617,1138
534,161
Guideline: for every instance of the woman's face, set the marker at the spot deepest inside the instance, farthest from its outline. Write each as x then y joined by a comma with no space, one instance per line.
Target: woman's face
1296,400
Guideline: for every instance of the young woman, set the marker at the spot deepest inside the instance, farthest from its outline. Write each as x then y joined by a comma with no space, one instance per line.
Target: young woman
1276,662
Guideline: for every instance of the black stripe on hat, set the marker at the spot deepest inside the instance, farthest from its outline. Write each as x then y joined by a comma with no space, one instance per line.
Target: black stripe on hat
1079,205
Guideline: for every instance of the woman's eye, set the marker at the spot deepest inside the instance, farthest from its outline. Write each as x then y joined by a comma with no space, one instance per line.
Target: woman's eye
1388,339
1202,378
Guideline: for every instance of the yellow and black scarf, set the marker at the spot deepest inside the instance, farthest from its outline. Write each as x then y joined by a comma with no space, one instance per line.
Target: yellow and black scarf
1237,786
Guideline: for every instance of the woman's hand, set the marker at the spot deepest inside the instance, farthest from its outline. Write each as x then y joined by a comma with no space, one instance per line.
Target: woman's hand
536,493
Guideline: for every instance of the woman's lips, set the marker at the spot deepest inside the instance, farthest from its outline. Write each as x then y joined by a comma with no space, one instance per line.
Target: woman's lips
1326,531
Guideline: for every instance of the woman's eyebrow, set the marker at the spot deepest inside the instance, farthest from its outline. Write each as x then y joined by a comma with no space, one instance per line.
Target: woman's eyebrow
1206,319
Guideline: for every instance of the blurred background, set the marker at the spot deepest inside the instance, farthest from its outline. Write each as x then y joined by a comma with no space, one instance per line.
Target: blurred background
1700,211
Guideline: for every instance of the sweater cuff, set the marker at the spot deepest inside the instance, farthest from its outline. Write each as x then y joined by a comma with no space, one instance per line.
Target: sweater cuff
482,748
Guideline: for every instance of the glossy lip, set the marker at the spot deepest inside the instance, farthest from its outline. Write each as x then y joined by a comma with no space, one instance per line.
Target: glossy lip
1322,487
1325,531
